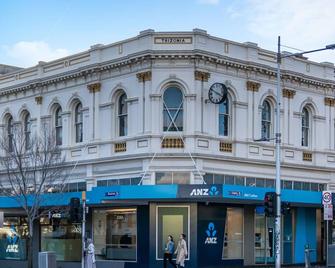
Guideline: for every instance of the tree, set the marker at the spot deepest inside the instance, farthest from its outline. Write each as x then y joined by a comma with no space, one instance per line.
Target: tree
30,167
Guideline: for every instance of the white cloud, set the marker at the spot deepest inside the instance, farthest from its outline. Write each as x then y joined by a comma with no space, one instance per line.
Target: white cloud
209,2
25,53
305,24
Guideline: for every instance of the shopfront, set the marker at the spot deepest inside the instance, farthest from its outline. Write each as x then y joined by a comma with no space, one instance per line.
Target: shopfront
130,225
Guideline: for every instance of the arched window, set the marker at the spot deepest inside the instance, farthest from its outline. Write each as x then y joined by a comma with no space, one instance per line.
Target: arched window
173,109
10,133
27,129
122,115
305,127
58,126
78,121
224,118
266,120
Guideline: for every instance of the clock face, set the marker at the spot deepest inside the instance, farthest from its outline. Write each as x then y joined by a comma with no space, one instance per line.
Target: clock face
217,93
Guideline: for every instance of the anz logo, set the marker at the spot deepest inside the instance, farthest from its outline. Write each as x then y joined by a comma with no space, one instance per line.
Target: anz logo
211,234
212,191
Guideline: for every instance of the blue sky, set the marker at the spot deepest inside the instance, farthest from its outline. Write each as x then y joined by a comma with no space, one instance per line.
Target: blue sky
43,30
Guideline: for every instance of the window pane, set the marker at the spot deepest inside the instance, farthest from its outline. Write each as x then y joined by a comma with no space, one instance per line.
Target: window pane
163,177
288,185
321,187
228,180
173,110
181,178
124,181
115,234
65,240
233,238
260,182
171,221
113,182
314,187
269,183
135,181
209,178
250,182
102,183
239,181
306,186
297,185
81,186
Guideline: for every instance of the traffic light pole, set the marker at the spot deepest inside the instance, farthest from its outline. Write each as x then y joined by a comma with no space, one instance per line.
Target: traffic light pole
278,186
83,197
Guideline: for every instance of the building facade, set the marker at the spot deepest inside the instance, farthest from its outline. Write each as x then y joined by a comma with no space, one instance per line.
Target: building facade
156,157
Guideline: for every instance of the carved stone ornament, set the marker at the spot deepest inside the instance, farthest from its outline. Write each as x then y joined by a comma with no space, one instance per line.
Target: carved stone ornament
329,101
201,76
253,86
144,76
288,93
39,100
95,87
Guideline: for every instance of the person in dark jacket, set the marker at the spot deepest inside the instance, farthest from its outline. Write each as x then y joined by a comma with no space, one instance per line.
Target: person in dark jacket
168,252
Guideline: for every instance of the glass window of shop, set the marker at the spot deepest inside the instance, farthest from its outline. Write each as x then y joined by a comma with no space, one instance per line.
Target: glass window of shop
233,238
61,237
172,178
14,239
171,220
115,234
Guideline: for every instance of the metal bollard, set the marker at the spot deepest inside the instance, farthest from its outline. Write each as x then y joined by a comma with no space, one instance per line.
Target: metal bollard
307,258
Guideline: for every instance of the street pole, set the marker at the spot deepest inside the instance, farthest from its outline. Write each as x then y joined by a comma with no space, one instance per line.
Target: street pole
83,198
278,186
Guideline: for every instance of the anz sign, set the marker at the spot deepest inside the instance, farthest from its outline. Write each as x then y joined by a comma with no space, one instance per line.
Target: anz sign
199,191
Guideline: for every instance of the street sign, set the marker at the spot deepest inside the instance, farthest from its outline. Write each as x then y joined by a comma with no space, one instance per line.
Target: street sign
326,198
328,212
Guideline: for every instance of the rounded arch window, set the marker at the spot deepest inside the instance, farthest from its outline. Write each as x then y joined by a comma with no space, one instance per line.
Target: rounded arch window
305,125
173,109
266,120
122,113
27,129
10,132
58,125
224,118
78,120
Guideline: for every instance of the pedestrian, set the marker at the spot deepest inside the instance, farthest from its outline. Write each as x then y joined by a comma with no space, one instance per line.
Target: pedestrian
168,252
90,256
181,251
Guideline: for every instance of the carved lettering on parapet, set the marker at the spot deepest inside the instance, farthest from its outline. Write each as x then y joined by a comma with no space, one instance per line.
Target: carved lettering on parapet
95,87
329,101
288,93
202,76
253,86
39,100
144,76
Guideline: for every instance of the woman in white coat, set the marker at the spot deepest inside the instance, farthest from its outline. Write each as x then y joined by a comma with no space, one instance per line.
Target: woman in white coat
90,256
181,251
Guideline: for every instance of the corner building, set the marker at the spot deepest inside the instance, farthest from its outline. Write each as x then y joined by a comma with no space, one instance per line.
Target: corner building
156,157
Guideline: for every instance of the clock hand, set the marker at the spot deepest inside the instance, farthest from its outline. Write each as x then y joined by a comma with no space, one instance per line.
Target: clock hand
217,93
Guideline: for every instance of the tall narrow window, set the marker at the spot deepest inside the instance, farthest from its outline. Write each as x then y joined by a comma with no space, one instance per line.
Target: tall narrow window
79,122
173,110
123,115
10,133
58,126
305,127
224,118
27,130
266,120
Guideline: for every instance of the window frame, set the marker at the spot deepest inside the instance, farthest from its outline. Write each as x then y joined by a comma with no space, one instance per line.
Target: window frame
78,123
27,129
305,128
180,110
226,116
58,127
122,116
188,227
111,208
266,120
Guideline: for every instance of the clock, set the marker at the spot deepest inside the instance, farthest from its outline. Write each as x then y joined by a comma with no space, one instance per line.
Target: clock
217,93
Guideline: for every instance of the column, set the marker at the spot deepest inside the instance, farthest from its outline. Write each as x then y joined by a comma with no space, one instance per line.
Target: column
252,132
94,89
288,96
144,78
201,80
330,103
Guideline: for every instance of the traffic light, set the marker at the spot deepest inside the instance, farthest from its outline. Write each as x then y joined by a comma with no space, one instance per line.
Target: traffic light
285,208
270,204
75,210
